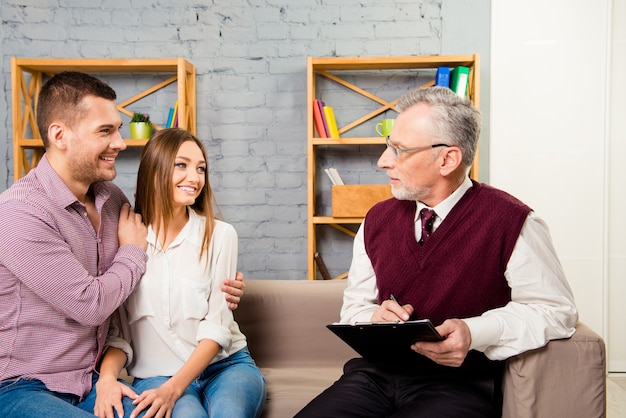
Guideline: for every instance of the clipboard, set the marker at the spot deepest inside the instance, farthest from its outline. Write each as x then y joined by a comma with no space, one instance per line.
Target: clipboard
381,342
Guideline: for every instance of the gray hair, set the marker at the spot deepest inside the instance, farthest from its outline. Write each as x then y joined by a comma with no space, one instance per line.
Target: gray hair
455,121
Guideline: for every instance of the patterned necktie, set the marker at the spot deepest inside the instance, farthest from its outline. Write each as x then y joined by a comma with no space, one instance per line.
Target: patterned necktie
427,217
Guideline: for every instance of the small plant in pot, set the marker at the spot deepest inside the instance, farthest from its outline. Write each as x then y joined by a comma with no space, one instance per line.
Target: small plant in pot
140,126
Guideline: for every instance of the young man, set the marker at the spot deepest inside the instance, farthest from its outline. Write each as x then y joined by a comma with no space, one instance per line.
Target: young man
481,266
71,251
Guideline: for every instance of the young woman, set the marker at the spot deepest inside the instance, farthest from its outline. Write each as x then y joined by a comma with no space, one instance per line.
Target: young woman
189,358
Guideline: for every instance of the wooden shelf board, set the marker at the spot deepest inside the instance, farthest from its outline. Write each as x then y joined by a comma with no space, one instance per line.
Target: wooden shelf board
348,141
391,63
327,220
38,143
100,65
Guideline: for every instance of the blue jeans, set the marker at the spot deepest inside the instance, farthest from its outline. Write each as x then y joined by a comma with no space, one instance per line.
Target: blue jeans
232,387
31,398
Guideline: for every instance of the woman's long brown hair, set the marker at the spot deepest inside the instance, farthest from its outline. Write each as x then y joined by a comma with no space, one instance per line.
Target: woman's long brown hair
153,198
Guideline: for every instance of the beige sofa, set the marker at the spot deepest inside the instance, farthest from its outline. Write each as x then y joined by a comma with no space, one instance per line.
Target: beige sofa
285,320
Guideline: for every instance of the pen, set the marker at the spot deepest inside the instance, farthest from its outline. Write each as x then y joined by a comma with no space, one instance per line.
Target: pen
392,297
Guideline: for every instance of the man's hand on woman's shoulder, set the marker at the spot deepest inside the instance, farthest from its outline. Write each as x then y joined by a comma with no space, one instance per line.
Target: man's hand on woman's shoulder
234,290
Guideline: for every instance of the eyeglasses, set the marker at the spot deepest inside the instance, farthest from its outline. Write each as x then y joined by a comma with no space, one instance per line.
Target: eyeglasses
397,151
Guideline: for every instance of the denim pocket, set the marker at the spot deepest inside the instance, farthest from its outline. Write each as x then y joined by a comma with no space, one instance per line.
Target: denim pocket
5,384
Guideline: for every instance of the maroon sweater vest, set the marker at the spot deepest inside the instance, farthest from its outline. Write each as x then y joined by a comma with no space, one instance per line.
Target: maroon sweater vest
459,271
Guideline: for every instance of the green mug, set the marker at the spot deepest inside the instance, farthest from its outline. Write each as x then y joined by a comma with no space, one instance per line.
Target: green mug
383,128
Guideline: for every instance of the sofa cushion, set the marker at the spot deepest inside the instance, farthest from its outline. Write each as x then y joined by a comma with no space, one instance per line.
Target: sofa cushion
290,389
285,323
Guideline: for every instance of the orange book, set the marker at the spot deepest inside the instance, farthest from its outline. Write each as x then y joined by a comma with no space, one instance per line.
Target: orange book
321,105
318,118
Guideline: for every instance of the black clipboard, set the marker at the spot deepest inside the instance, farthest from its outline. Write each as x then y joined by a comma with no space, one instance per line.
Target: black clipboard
386,341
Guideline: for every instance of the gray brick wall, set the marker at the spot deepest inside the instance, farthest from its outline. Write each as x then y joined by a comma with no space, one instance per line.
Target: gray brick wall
250,57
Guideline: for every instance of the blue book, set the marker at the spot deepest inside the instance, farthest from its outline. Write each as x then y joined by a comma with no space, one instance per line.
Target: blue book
443,77
169,117
174,121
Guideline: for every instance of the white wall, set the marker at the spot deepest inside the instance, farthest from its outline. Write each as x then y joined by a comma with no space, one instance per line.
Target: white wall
551,137
617,194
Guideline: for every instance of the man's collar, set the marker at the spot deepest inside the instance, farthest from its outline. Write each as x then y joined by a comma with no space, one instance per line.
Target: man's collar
445,206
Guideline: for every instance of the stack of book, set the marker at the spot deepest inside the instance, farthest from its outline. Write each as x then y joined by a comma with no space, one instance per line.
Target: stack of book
334,176
324,118
172,117
455,79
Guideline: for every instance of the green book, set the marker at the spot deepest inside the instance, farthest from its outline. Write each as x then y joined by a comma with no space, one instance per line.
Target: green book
459,77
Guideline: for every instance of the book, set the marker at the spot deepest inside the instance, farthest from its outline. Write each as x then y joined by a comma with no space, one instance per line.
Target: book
334,176
318,118
320,105
321,266
459,77
329,116
386,341
174,121
442,78
169,117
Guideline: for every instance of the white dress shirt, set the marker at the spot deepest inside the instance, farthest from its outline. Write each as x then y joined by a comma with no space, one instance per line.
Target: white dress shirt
542,304
178,301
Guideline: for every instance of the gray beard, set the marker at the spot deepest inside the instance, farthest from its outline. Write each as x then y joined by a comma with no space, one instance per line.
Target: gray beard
406,194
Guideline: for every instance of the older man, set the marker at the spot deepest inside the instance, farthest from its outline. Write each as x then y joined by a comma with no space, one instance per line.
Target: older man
475,260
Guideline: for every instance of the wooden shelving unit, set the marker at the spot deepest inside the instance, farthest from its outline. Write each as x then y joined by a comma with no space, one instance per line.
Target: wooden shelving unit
27,78
333,69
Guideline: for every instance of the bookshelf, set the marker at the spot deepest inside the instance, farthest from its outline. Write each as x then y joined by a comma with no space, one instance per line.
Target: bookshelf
346,75
27,78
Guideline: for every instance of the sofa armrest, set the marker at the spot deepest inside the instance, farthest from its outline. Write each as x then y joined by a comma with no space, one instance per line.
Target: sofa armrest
566,378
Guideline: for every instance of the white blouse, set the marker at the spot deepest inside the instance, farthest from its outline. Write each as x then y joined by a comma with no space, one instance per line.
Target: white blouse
178,301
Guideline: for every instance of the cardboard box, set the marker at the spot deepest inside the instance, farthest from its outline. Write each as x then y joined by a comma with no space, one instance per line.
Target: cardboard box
354,200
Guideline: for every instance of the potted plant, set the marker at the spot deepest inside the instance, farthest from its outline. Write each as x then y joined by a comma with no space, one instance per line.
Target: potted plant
140,126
